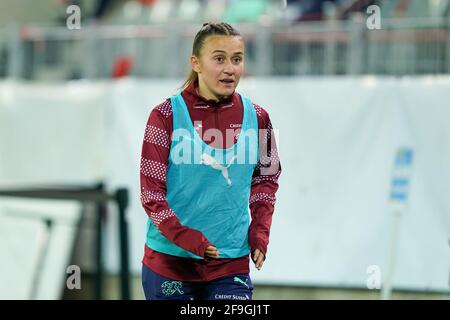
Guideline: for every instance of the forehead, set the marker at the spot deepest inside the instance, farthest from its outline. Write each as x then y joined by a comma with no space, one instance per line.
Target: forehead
229,44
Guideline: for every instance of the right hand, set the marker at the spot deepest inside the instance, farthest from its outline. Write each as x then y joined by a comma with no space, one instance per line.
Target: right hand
212,252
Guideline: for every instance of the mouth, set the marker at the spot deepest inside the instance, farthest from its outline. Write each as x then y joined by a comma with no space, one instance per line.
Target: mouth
227,82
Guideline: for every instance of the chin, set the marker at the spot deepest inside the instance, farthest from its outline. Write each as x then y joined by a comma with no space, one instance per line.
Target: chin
227,92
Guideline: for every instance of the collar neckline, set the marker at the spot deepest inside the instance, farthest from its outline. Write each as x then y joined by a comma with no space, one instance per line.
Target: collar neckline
201,102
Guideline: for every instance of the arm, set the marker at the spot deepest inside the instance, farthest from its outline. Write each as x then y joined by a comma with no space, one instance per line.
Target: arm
263,189
153,169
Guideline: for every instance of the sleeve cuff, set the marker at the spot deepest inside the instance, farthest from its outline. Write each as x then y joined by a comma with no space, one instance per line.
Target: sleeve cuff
259,245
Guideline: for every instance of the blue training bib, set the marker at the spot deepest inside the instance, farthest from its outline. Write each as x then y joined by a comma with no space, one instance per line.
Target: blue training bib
209,188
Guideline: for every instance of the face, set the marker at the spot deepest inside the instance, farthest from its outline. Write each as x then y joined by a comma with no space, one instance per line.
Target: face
220,66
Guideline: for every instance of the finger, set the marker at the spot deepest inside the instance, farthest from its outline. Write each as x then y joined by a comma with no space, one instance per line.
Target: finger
213,253
211,249
255,255
259,261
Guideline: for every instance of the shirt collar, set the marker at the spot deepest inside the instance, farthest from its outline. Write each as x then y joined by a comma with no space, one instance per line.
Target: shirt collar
200,102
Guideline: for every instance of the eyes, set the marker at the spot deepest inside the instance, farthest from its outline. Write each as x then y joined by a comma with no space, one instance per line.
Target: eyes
234,60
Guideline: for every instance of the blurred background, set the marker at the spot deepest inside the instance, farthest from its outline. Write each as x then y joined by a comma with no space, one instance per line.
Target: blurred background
358,93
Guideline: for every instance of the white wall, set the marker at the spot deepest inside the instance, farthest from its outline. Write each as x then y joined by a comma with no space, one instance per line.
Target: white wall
337,140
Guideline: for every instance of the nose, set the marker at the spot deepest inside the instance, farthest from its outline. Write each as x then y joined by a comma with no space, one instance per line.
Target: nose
229,68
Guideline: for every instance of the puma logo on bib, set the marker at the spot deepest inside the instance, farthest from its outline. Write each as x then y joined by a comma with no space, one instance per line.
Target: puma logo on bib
210,161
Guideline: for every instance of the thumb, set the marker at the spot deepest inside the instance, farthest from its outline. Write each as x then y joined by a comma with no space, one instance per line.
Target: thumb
255,254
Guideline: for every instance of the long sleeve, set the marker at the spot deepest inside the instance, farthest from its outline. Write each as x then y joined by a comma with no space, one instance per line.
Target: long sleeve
153,169
264,184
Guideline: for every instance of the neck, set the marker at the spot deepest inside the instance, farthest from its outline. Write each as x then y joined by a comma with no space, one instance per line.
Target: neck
207,95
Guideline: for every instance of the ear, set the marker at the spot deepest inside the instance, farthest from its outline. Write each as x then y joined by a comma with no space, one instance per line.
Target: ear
195,64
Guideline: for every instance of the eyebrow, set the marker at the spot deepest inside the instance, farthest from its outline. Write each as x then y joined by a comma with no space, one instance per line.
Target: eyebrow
222,51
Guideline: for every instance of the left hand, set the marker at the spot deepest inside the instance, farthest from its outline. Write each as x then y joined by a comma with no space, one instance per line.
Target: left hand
258,259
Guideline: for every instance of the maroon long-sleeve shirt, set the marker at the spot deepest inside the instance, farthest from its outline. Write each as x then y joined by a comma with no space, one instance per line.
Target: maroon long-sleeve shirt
224,115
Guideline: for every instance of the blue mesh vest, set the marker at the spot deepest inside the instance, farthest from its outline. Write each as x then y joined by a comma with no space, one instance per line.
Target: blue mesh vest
207,187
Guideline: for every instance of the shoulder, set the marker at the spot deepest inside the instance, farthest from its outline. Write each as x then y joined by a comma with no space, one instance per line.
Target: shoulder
262,115
164,109
260,111
161,116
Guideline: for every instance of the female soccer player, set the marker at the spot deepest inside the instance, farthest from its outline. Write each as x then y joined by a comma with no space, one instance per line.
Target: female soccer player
208,156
